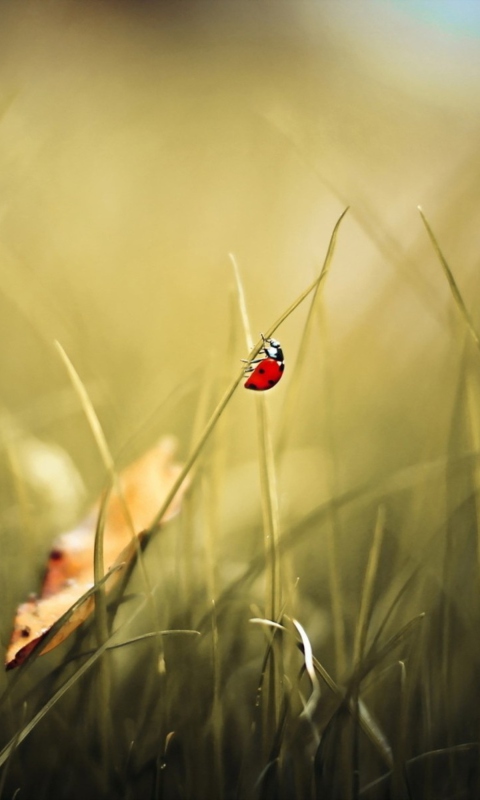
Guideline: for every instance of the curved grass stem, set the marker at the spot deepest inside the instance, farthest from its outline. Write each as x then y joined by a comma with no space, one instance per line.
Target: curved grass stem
225,399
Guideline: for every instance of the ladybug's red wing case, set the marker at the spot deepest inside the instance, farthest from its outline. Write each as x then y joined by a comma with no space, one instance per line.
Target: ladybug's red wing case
267,370
266,374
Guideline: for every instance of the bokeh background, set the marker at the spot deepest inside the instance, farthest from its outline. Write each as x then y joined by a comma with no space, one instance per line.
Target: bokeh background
140,143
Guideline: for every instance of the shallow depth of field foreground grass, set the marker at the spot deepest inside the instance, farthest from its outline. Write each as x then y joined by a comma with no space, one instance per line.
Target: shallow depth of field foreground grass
330,652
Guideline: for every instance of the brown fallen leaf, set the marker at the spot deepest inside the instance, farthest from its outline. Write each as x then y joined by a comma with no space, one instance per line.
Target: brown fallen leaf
69,573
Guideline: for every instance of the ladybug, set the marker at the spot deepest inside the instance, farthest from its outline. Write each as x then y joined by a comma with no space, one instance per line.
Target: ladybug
265,372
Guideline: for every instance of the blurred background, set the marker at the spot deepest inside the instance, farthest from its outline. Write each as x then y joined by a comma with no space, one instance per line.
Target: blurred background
140,144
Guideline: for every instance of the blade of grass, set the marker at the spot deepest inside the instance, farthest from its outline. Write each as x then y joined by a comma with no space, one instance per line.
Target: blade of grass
89,411
220,408
47,638
140,638
217,716
15,742
101,442
102,680
333,530
308,659
27,729
201,499
367,592
109,464
186,557
270,517
360,639
473,423
369,220
291,403
372,660
364,494
365,720
276,626
212,476
457,296
114,481
270,510
242,303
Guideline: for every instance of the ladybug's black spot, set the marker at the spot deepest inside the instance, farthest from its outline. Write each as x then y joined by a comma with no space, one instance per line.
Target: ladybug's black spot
272,383
282,367
261,371
252,386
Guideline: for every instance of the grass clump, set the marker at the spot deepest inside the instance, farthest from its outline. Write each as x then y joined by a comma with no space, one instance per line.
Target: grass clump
328,651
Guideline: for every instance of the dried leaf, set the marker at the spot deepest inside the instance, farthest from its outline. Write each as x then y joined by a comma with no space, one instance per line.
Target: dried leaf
69,573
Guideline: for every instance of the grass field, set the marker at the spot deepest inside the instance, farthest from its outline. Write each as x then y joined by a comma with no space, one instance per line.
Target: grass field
236,699
307,626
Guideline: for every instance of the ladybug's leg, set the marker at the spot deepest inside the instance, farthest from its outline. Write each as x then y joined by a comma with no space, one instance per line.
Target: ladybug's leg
255,361
250,367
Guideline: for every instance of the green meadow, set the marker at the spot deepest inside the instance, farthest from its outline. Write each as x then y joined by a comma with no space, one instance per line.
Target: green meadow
175,180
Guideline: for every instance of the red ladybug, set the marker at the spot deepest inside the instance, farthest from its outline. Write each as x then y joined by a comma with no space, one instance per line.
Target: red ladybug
265,371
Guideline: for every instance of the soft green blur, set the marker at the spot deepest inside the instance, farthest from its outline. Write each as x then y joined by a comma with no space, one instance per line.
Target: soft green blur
140,144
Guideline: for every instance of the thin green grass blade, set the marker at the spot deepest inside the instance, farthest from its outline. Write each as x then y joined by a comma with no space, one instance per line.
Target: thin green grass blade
275,626
242,303
270,517
373,659
211,475
21,735
473,424
457,296
217,713
359,713
291,403
104,450
187,560
27,729
98,570
107,458
108,462
89,411
367,593
333,528
141,637
360,639
323,274
15,742
225,399
309,666
102,679
365,494
269,496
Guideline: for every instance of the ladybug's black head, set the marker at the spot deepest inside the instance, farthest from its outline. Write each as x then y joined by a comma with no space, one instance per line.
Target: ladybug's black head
274,351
